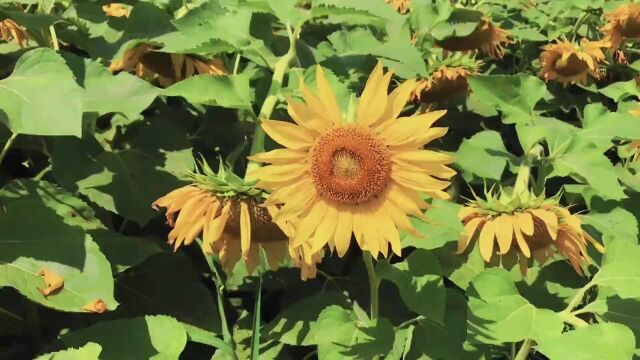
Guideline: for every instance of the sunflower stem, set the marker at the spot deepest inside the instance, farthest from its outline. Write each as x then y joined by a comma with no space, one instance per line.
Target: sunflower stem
573,320
524,172
374,284
7,146
54,38
576,28
270,102
523,353
577,298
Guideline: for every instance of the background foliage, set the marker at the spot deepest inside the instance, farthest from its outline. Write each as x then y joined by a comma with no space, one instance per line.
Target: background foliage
87,151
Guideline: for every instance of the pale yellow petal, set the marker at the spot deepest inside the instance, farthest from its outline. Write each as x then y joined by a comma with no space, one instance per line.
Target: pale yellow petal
327,96
344,228
525,222
280,156
288,134
469,230
245,228
373,100
504,232
522,244
550,220
310,222
487,235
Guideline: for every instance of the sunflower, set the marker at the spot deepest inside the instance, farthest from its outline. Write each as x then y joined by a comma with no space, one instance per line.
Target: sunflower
623,23
167,68
401,6
571,63
526,225
363,176
9,30
487,37
228,214
115,10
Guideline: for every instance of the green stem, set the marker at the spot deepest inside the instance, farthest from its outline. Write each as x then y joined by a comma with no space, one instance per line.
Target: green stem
523,353
7,146
571,319
236,65
374,284
270,102
524,172
410,322
54,38
576,28
577,299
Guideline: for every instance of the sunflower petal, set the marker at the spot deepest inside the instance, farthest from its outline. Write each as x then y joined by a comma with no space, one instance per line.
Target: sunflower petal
288,134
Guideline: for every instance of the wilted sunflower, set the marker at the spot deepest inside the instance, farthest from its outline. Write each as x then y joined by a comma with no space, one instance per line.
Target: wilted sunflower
227,213
115,10
487,37
527,225
447,81
571,63
363,176
401,6
167,68
9,30
623,23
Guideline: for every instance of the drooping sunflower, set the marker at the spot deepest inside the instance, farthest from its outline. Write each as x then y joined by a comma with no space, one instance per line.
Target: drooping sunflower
570,63
527,226
150,64
9,30
115,10
447,81
401,6
623,23
487,37
228,215
338,177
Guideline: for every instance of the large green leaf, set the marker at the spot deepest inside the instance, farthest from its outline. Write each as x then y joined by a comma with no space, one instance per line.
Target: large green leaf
606,341
230,91
122,251
514,95
443,227
90,351
620,269
41,96
43,241
484,155
616,224
419,280
499,314
149,337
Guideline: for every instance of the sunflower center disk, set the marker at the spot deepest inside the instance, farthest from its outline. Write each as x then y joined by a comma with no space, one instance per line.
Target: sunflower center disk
631,27
349,165
570,67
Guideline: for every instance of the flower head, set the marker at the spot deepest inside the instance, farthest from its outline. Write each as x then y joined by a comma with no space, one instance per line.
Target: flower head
571,63
227,213
336,178
115,10
623,23
150,64
401,6
527,225
9,30
487,37
447,81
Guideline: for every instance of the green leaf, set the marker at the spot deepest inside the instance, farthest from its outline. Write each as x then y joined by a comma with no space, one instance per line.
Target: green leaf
557,134
460,269
606,341
484,155
295,325
620,269
90,351
499,314
41,96
43,241
514,95
257,319
616,310
621,90
443,227
229,91
419,280
461,22
167,284
107,93
112,245
618,224
149,337
341,335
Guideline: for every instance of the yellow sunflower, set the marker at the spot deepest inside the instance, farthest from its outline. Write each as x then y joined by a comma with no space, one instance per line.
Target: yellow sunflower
9,30
443,84
571,63
528,226
401,6
167,68
487,37
115,10
337,177
623,23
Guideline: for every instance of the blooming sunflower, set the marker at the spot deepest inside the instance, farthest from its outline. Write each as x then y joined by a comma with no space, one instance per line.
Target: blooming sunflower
227,213
623,23
487,37
115,10
9,30
401,6
571,63
527,225
337,177
167,68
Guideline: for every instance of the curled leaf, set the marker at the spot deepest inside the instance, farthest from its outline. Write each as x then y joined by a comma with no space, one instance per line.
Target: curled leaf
53,281
96,306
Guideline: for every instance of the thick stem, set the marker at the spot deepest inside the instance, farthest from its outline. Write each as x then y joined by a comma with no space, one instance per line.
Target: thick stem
54,38
270,102
577,299
523,353
374,284
7,146
524,172
573,320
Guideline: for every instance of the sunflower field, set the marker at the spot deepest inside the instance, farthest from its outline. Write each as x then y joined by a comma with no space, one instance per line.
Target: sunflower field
320,179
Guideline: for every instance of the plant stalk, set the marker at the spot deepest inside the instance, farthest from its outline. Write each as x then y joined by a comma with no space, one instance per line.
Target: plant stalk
524,172
7,146
374,284
270,102
523,353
